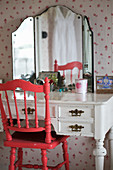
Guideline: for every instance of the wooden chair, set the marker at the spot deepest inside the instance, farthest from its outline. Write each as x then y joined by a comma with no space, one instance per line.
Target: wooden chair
68,66
30,137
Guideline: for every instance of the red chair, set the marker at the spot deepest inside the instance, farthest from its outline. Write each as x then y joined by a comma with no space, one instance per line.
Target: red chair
30,137
68,66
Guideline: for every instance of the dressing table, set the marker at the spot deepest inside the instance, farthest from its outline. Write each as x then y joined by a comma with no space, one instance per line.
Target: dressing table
78,115
71,114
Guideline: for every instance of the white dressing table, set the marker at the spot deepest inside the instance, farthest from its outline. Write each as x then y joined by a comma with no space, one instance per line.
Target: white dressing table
81,115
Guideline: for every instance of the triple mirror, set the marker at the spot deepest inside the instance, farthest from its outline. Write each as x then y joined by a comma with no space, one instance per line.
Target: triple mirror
56,34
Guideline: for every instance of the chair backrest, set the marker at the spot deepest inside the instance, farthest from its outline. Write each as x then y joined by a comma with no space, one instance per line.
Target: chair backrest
68,66
26,87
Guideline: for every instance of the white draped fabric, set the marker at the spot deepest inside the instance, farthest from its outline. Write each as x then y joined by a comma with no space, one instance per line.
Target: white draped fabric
64,37
64,44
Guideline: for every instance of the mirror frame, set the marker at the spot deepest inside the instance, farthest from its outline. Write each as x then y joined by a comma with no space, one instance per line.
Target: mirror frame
36,57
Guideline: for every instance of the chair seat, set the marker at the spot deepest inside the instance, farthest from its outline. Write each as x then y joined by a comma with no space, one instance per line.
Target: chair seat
34,140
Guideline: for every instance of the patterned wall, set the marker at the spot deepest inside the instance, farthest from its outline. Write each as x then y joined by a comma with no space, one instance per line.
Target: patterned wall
100,13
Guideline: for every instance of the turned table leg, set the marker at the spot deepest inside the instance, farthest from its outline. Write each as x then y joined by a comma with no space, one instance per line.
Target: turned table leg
99,152
110,137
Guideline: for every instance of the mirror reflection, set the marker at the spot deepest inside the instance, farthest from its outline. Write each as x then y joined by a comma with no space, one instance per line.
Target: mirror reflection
88,54
23,49
64,40
56,34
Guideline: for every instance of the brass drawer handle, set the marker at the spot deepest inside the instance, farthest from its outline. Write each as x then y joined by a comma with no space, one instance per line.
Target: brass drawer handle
76,128
76,112
29,110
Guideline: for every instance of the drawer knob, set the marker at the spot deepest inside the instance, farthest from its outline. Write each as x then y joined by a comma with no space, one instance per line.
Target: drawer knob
76,128
76,112
29,110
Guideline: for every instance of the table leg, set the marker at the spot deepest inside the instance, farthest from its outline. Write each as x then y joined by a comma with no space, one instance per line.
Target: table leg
99,152
110,137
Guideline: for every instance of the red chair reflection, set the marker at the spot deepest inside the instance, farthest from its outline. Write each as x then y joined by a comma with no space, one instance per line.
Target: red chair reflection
68,66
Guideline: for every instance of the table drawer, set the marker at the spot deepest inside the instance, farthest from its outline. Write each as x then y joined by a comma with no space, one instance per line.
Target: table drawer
31,110
21,111
76,111
81,128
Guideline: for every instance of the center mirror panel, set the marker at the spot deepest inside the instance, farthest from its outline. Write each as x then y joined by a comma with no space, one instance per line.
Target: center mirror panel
58,37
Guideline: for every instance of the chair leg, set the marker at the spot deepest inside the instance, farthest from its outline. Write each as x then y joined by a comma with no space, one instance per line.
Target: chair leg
44,159
20,157
12,159
66,155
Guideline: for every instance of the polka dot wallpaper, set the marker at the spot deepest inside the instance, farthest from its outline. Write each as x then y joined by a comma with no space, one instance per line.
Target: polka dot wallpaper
100,14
